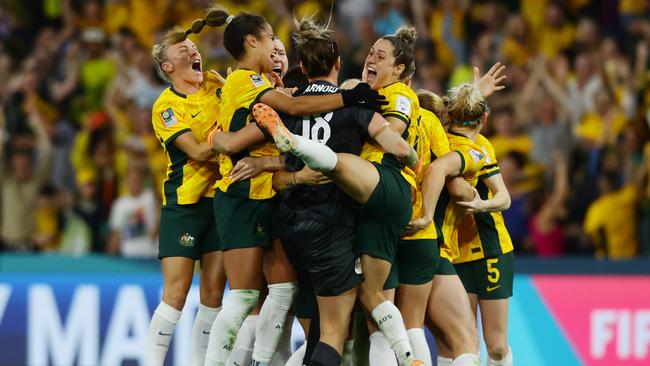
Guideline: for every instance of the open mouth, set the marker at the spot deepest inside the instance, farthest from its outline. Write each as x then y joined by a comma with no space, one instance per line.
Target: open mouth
371,73
277,69
196,65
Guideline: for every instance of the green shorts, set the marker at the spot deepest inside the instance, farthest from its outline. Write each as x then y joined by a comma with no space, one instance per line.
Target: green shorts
188,230
490,278
445,267
417,261
393,278
243,222
384,217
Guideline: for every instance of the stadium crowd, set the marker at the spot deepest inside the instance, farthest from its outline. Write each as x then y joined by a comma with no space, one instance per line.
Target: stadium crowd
81,169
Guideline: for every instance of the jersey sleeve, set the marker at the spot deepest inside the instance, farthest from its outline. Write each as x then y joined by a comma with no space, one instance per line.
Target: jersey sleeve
399,106
253,87
168,122
490,168
472,161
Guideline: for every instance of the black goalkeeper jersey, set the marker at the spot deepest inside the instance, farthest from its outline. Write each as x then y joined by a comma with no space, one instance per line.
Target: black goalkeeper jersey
344,130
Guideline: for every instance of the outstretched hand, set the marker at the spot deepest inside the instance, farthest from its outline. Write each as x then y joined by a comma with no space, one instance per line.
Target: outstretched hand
490,82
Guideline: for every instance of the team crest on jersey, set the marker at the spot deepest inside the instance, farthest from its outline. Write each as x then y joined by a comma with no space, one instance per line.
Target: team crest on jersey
186,240
476,155
403,105
257,80
168,117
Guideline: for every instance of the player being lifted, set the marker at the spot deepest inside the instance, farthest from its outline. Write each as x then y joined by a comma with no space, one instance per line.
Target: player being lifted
385,194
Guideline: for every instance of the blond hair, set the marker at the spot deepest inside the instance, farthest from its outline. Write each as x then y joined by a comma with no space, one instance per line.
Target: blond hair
465,105
433,103
159,50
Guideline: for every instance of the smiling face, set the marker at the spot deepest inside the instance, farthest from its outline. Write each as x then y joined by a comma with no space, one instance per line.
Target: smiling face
183,63
280,59
379,69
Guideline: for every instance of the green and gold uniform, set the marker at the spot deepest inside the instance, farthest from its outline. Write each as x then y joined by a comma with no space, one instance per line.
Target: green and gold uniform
447,214
485,260
187,225
418,254
384,217
243,210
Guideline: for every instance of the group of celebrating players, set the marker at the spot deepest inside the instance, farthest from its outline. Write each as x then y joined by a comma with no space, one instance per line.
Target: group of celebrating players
315,200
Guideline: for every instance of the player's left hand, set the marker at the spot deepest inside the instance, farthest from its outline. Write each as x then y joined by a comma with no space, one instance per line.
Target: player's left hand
246,168
490,82
476,205
217,78
416,225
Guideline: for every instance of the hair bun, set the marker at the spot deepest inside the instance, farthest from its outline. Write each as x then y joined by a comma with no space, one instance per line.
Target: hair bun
216,17
307,29
408,35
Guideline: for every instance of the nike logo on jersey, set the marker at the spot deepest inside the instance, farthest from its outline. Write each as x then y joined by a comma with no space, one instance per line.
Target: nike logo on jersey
204,332
490,289
197,113
164,334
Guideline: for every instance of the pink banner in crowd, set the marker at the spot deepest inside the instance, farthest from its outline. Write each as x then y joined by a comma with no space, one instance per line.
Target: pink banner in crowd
606,318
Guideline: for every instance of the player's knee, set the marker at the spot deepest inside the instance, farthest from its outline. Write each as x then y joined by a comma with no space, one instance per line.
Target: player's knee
175,294
497,349
211,296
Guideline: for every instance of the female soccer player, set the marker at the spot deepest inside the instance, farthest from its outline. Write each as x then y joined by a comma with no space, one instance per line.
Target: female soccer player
467,111
243,210
182,117
390,62
486,261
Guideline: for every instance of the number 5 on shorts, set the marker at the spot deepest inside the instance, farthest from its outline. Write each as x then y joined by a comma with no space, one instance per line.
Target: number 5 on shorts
493,272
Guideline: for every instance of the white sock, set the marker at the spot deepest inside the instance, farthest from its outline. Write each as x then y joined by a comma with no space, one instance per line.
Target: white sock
201,333
161,329
390,322
466,359
420,347
380,352
242,351
283,352
315,155
506,361
298,356
236,307
444,361
270,324
349,358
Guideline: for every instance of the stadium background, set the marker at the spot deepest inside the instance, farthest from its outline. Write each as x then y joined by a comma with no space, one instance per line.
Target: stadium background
80,167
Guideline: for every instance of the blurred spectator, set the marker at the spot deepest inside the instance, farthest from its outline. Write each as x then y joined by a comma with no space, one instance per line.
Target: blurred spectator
21,182
611,220
134,219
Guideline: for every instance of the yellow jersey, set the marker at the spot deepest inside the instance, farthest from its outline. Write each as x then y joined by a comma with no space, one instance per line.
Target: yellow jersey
432,143
483,234
449,215
244,88
402,104
174,114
